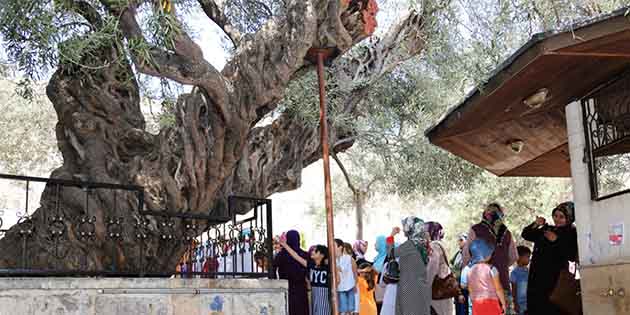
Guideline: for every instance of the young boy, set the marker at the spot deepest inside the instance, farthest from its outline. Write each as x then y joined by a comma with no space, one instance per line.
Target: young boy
518,278
485,288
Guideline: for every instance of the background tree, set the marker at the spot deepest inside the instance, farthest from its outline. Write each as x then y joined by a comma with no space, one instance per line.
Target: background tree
391,154
26,125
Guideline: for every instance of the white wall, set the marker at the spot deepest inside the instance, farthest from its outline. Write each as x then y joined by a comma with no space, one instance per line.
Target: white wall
593,218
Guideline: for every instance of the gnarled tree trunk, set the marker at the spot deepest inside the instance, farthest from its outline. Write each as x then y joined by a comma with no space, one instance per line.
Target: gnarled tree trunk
213,150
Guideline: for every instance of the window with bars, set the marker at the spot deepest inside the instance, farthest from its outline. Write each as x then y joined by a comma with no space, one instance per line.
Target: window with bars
607,131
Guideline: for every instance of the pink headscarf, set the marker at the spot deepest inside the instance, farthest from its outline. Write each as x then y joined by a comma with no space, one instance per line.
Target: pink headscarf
360,247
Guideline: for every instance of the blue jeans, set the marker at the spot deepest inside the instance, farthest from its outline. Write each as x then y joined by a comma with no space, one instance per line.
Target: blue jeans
346,301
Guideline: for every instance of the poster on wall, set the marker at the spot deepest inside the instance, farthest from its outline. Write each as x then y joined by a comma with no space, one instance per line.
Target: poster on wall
615,234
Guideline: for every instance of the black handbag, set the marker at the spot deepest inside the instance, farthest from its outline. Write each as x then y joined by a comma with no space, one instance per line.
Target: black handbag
392,272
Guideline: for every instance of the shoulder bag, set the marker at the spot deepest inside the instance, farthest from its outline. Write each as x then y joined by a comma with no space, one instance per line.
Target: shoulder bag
392,272
447,287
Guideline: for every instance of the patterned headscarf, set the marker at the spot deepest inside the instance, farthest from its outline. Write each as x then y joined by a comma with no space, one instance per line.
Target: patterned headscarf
381,250
413,227
360,247
568,209
480,251
435,230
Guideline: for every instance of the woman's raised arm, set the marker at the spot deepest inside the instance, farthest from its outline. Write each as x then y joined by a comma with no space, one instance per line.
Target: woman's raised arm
533,232
293,254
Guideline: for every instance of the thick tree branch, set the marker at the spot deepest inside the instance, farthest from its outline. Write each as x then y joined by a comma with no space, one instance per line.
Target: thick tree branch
186,65
217,15
277,52
403,41
275,154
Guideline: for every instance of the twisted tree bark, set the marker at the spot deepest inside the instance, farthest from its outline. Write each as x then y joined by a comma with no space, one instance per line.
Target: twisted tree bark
213,150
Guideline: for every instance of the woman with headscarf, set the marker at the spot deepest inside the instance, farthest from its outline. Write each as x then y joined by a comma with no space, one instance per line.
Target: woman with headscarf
381,254
289,269
413,296
554,247
493,230
438,266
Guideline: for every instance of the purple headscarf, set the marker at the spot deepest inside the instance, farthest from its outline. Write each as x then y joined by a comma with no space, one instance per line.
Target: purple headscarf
435,230
289,267
293,240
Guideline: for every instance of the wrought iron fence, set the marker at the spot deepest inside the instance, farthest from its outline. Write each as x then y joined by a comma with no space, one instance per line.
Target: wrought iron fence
606,116
233,246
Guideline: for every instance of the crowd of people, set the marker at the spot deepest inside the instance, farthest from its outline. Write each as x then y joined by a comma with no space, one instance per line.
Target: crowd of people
488,274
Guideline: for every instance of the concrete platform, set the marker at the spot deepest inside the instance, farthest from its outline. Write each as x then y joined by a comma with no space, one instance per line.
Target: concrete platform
139,296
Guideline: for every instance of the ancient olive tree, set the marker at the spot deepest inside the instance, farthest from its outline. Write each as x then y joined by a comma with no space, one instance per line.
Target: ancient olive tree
217,145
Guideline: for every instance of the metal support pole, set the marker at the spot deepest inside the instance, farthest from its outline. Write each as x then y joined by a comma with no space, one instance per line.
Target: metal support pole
323,125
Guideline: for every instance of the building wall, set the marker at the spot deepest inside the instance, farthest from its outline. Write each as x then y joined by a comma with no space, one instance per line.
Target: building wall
139,296
604,267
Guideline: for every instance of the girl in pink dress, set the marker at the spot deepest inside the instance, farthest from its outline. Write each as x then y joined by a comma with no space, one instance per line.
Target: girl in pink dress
485,287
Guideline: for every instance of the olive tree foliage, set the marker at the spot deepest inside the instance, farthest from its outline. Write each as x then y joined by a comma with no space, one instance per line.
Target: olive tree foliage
480,35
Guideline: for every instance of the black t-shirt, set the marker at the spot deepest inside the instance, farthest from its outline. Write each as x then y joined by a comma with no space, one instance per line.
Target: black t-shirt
317,275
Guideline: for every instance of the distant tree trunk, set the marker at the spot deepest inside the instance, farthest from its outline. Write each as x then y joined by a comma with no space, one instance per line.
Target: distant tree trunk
360,195
213,150
360,199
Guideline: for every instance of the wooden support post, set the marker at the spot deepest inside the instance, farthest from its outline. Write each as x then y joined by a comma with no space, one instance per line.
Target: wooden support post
330,228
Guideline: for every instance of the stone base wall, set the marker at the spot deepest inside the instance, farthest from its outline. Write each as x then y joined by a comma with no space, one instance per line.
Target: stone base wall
139,296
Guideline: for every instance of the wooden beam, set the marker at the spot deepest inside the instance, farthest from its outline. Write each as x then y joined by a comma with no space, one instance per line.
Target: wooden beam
588,54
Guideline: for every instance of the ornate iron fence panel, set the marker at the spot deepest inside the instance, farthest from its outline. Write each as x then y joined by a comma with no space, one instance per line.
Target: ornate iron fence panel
238,246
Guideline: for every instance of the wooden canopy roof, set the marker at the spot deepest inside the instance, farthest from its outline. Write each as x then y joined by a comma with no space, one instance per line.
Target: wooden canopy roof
569,64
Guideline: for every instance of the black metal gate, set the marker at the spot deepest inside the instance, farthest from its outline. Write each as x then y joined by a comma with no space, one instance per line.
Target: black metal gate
236,246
